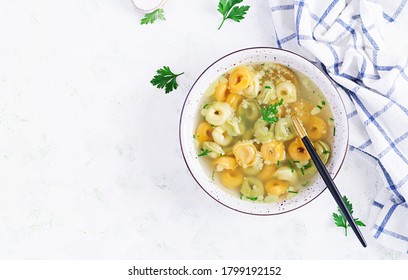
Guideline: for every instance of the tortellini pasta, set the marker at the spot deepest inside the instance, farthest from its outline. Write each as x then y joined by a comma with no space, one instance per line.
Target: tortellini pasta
225,162
268,93
286,91
221,92
240,79
214,149
264,132
234,100
245,153
218,113
231,178
273,152
316,128
234,126
253,90
249,110
276,187
252,187
286,173
221,136
284,129
297,150
204,132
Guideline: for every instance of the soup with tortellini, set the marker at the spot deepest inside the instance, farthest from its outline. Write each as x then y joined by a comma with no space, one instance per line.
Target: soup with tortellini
245,135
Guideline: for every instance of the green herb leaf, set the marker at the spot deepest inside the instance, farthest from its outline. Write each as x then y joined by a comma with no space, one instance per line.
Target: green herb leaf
204,152
323,102
303,171
326,152
269,113
359,223
151,17
252,198
165,78
340,219
291,166
306,183
205,106
268,87
334,131
292,192
308,165
320,107
229,10
278,163
331,119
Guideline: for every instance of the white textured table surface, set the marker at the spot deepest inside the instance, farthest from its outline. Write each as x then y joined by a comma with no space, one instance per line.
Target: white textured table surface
90,165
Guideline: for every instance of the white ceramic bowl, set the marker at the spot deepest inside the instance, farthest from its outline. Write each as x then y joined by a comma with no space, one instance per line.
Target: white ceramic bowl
190,117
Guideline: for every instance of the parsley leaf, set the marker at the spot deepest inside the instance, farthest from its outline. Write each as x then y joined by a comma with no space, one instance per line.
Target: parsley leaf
151,17
165,78
269,112
204,152
340,219
291,166
229,10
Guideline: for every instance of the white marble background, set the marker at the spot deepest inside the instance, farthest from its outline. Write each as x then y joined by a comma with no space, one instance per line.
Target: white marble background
90,166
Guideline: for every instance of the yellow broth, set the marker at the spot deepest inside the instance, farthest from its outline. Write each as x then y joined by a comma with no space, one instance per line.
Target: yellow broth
245,135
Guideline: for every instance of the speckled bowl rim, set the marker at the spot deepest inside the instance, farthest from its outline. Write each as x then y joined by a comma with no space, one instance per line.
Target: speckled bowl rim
279,50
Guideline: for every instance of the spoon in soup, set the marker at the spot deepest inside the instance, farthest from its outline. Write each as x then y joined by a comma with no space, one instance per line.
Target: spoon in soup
327,179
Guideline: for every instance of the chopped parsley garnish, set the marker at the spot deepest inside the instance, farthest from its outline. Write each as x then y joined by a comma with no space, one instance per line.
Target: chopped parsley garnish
278,163
212,175
212,125
326,152
268,87
303,171
306,183
204,152
269,113
296,161
331,119
292,192
195,136
320,107
323,102
291,166
229,10
307,166
205,106
341,221
334,131
252,198
151,17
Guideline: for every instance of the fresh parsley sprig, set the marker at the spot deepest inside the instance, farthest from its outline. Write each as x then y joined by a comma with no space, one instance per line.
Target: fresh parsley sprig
269,113
151,17
341,221
165,78
229,10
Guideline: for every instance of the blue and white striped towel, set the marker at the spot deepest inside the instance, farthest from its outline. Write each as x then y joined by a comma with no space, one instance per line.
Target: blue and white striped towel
348,39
